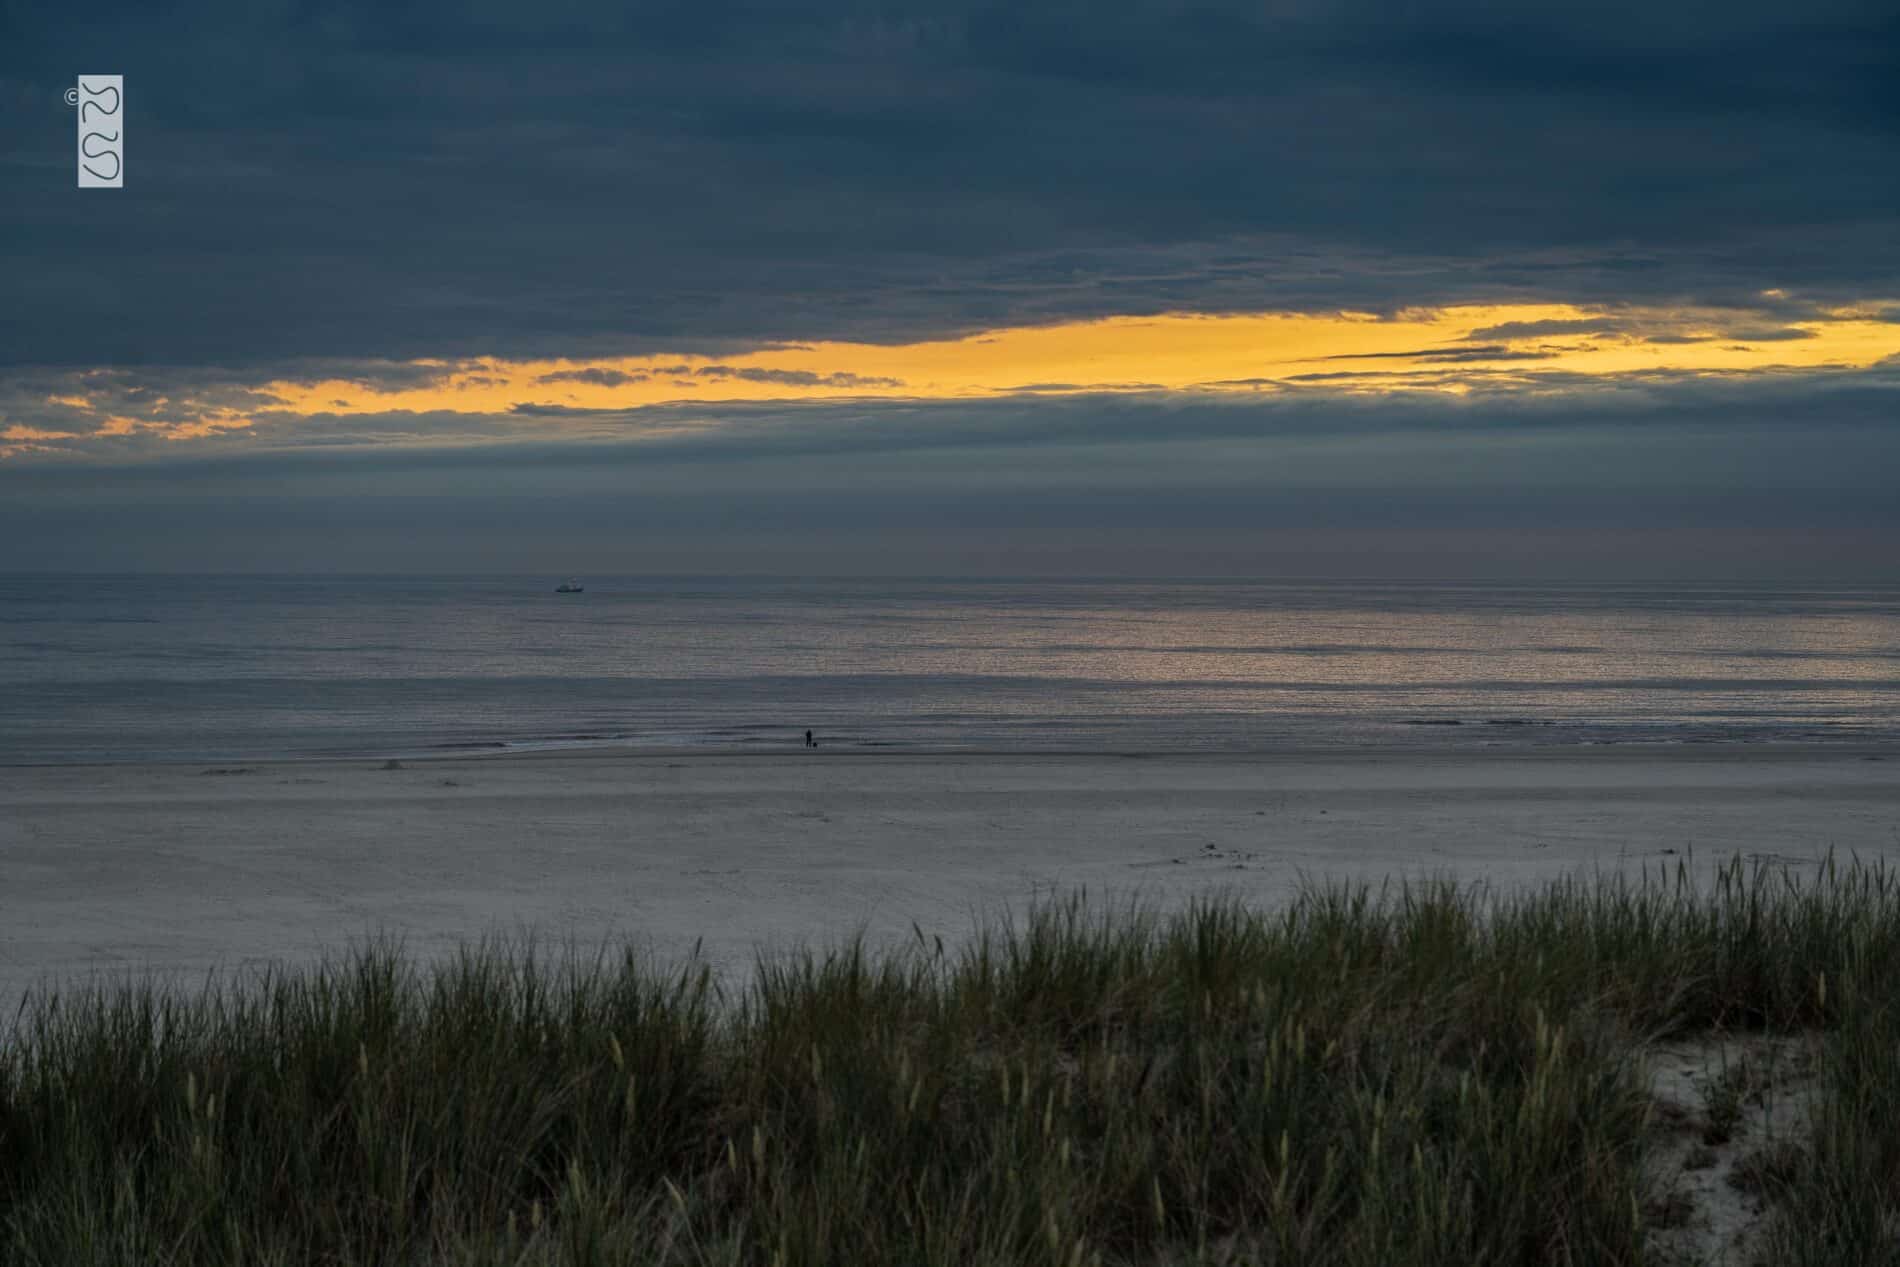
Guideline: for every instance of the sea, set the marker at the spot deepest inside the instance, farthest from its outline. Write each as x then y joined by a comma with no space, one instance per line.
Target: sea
228,668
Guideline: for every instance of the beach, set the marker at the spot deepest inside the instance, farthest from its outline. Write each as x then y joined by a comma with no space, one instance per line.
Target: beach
178,869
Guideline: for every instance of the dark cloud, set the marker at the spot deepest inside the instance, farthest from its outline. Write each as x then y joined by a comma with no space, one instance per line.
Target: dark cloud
1681,476
795,378
419,179
530,409
1508,406
595,377
1532,329
1767,334
1479,354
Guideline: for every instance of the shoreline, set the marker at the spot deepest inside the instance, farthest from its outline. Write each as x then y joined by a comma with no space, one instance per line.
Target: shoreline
1583,749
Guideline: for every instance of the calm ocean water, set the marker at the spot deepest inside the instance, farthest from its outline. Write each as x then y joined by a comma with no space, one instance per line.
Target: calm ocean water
218,668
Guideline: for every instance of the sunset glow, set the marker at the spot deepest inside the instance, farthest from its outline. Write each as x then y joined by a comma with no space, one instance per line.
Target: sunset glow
1456,350
1446,349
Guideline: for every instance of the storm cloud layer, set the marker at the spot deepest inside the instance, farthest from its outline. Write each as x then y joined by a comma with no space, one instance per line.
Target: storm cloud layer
430,179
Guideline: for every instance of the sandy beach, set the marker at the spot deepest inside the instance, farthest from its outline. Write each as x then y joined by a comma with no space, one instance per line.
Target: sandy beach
176,869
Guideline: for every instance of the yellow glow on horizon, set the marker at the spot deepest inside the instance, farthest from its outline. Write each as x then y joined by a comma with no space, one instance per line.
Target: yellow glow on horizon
1460,350
1439,349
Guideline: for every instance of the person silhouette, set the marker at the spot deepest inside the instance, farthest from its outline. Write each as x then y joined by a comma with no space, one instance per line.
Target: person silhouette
808,740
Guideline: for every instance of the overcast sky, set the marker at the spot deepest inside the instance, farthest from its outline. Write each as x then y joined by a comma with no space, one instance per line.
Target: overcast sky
1150,287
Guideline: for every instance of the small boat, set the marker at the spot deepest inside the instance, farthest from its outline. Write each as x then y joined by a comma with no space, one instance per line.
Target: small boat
570,587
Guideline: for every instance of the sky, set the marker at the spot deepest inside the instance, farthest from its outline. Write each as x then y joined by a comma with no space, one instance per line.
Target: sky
1281,288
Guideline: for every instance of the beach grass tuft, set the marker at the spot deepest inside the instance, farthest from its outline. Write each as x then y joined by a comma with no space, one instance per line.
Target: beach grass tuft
1419,1074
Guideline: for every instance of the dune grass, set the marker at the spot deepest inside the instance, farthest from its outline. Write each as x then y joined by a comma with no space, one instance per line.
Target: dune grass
1422,1075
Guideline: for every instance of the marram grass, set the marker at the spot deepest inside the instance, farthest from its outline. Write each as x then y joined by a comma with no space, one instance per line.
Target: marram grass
1422,1075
